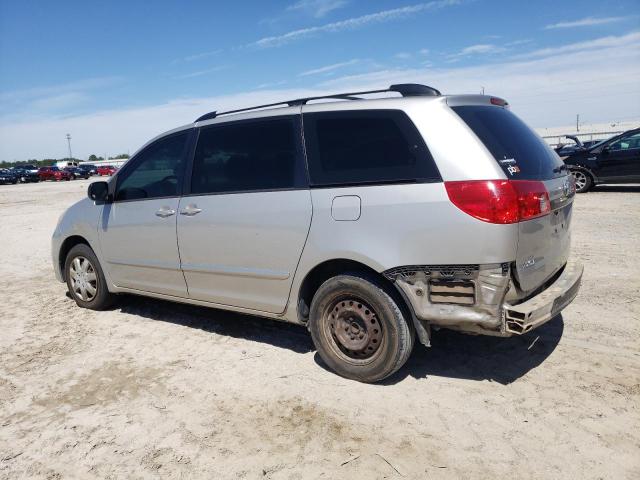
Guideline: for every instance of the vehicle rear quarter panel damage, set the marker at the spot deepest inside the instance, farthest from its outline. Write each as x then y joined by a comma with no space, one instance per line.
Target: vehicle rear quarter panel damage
460,297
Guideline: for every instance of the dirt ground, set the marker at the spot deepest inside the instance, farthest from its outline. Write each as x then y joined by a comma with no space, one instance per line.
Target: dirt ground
152,389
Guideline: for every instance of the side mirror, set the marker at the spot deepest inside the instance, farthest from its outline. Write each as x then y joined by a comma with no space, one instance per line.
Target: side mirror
98,192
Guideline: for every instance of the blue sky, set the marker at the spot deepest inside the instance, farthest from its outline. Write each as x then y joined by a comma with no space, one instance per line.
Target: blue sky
115,73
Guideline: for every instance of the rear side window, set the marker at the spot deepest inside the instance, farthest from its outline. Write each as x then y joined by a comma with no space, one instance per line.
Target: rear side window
366,147
248,156
519,151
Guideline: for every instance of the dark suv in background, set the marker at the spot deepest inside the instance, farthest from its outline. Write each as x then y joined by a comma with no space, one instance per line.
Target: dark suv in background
88,169
26,173
616,160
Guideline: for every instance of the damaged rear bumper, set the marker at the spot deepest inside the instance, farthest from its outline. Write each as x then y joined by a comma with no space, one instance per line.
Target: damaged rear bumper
472,298
526,316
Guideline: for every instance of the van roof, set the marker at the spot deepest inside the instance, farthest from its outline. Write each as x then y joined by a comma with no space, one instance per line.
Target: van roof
410,92
404,89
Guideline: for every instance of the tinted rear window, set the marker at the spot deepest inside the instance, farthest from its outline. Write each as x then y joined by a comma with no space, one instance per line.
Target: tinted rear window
366,147
247,156
518,150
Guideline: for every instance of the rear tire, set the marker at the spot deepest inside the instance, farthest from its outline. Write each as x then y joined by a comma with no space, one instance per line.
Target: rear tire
359,329
584,181
85,279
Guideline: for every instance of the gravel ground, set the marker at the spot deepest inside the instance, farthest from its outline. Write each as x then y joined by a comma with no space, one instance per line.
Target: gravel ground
152,389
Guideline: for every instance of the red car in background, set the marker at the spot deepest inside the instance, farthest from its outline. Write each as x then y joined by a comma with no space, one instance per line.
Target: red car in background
53,173
106,170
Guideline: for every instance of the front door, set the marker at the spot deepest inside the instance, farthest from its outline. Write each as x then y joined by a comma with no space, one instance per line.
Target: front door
242,228
620,160
138,229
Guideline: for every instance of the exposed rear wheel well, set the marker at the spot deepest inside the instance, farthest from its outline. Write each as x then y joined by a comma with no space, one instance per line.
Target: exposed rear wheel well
324,271
66,246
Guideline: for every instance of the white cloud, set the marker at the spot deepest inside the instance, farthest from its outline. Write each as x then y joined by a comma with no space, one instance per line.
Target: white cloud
352,23
584,22
329,68
55,90
545,90
199,73
271,84
630,39
64,101
200,56
53,98
316,8
403,56
479,49
116,131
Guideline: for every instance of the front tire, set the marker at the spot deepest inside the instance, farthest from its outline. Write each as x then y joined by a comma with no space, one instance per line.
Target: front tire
359,329
584,181
85,279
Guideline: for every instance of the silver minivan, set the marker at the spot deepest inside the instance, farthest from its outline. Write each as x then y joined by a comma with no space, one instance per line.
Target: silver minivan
369,220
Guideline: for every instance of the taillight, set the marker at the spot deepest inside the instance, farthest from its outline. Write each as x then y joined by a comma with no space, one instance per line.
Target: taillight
500,201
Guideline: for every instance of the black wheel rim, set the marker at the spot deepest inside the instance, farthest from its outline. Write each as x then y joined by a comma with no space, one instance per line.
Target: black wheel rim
354,330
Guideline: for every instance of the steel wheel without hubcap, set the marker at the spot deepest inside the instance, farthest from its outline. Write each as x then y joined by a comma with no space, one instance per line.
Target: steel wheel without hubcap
581,179
354,329
84,281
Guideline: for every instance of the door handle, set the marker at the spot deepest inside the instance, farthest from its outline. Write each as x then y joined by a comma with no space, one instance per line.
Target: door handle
190,210
165,212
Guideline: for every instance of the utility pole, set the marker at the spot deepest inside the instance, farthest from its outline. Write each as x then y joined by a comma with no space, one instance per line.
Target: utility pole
578,122
69,144
482,90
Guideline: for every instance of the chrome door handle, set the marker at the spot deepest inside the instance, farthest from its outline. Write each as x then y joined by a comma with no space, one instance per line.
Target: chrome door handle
165,212
190,210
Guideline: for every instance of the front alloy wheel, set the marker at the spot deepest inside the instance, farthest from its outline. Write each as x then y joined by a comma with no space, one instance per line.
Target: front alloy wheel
583,181
84,281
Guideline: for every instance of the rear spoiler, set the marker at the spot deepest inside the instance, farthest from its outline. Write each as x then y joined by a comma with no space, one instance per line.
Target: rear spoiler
461,100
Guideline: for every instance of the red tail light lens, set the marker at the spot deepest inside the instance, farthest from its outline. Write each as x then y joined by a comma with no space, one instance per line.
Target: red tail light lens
500,201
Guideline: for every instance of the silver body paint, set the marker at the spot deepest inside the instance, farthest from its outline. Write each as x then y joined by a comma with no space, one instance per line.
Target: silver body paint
250,252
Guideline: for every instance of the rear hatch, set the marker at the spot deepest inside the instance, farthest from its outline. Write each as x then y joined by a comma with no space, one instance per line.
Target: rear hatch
543,242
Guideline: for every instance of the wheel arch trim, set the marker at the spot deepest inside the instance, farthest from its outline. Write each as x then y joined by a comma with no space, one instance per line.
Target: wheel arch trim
322,271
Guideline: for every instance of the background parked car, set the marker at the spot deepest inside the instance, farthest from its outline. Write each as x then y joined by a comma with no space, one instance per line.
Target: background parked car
564,150
89,168
7,177
76,173
29,167
591,143
106,170
26,174
616,160
53,173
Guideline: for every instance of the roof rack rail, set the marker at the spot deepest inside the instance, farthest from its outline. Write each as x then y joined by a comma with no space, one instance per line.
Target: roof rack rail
404,89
